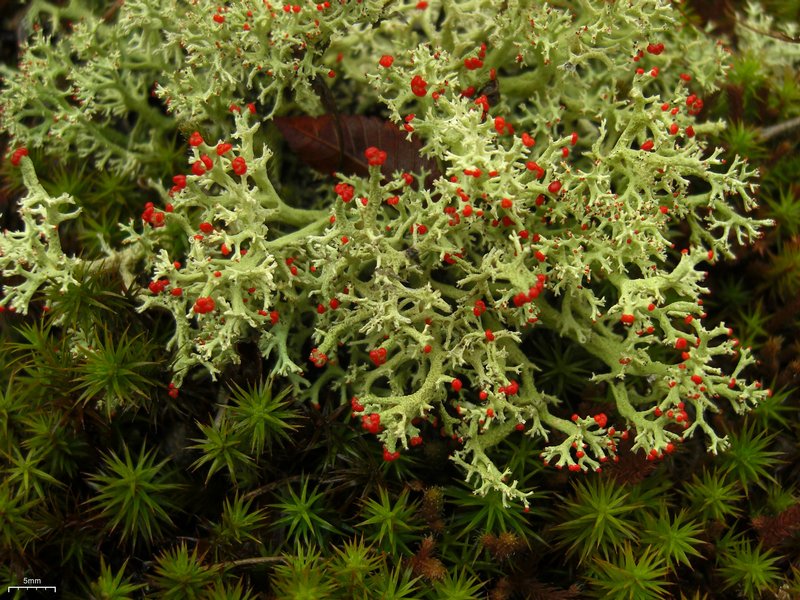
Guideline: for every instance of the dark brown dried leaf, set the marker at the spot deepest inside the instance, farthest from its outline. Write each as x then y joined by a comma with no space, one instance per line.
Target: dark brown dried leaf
774,531
315,140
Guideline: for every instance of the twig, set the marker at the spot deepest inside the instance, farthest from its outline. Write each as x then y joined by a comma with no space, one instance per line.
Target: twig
276,484
258,560
778,35
779,128
109,14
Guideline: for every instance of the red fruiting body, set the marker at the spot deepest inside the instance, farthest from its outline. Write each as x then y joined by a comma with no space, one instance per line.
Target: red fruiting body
386,61
378,356
390,456
204,305
356,405
374,156
554,187
655,48
371,422
601,419
179,181
345,191
222,148
239,165
527,140
456,385
533,166
207,162
196,139
419,86
647,146
506,203
156,287
680,343
479,308
489,335
17,156
318,358
511,389
198,168
176,291
473,63
427,349
219,18
157,219
697,379
627,319
206,227
415,441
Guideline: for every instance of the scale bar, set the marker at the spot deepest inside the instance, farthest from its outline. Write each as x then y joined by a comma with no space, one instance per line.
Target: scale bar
31,587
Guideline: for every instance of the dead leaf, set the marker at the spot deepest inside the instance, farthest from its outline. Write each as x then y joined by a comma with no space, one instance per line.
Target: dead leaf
315,140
